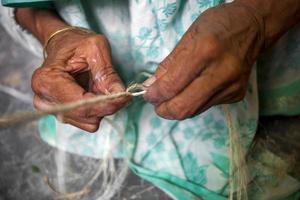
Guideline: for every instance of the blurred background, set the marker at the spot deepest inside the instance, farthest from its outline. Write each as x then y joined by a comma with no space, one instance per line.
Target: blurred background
26,160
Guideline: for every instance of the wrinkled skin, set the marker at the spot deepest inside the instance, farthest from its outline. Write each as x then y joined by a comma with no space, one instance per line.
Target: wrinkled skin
210,65
55,82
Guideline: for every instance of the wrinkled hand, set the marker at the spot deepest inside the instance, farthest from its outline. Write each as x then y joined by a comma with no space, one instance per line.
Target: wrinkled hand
210,65
71,54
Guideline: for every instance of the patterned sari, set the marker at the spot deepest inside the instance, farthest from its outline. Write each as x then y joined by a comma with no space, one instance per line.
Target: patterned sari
187,159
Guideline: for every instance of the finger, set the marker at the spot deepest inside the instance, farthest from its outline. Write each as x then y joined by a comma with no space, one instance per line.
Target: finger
77,63
180,68
43,104
83,116
89,127
77,67
56,86
98,57
232,94
196,95
105,78
102,108
87,114
185,42
59,87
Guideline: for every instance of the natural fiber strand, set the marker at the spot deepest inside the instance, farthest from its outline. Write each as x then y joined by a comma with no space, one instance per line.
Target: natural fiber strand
112,178
26,98
132,90
238,169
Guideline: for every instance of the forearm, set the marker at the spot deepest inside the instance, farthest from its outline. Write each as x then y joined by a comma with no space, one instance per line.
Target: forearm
40,22
278,16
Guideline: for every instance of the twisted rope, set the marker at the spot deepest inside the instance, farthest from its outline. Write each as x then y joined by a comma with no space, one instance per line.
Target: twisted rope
133,90
238,170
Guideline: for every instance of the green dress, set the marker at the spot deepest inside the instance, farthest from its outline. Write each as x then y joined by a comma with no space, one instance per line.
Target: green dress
187,159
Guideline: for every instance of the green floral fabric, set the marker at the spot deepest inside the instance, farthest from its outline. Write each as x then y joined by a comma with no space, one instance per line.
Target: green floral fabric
187,159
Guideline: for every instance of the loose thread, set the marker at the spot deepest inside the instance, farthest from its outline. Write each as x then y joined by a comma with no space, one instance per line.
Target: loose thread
133,90
16,94
111,179
238,169
236,154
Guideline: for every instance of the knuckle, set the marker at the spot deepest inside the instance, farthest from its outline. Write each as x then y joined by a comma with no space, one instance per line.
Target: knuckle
108,73
178,110
44,78
211,47
237,88
99,39
163,66
102,38
166,88
191,34
237,92
233,69
36,80
239,96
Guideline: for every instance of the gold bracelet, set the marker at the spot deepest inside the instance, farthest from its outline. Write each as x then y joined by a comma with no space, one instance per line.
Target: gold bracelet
61,31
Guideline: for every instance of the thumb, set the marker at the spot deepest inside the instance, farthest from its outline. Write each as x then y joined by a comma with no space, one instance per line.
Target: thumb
186,62
161,70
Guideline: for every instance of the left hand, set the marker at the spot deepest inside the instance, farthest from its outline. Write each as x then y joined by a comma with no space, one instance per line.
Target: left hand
61,79
210,65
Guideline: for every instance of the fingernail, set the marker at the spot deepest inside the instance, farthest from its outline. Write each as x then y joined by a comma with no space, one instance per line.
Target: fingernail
149,81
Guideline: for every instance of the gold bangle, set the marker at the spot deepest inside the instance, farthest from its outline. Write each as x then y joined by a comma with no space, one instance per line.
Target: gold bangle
61,31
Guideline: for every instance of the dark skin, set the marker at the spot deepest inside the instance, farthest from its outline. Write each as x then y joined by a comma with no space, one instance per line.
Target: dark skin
212,62
209,66
71,53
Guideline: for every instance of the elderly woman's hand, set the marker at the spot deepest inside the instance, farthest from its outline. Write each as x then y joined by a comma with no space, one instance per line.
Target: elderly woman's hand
210,65
69,54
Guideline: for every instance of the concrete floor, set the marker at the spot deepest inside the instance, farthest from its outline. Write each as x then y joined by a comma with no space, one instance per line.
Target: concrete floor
26,160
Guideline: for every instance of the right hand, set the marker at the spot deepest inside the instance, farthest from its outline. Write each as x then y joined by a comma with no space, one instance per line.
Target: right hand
71,53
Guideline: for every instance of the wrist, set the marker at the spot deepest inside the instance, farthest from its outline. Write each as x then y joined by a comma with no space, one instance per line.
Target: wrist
278,16
64,37
47,23
40,22
258,19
